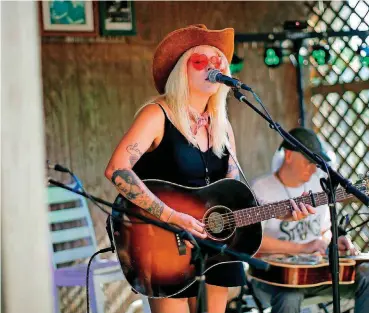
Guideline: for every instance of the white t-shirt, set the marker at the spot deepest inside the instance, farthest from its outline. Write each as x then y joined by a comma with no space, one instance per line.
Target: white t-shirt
270,189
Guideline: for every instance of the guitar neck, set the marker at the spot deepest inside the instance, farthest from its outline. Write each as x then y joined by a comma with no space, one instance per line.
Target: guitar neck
258,214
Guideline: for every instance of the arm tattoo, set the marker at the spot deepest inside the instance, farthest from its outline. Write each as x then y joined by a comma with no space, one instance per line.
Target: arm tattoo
134,190
127,183
156,208
135,154
233,171
231,168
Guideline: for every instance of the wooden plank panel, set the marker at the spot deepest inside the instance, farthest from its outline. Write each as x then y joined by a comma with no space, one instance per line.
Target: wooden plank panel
340,88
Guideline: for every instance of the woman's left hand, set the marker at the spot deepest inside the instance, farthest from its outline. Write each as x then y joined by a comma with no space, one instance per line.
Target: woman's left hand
299,211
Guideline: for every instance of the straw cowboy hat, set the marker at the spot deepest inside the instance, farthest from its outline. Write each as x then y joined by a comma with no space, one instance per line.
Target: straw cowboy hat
171,48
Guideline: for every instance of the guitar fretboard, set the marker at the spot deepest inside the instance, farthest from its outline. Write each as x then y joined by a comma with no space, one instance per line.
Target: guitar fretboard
258,214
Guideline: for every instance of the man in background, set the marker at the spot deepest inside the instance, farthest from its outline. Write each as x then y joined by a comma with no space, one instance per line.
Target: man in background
296,175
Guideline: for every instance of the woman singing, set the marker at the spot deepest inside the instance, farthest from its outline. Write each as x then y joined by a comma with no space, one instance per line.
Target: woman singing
181,136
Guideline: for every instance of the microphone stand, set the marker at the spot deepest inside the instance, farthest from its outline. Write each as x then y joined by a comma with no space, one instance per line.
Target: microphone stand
329,185
199,257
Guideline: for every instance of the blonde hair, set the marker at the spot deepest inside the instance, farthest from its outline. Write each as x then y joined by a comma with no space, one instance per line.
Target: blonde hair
177,95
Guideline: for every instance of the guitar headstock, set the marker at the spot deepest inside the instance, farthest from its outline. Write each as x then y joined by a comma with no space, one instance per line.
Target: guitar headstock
363,183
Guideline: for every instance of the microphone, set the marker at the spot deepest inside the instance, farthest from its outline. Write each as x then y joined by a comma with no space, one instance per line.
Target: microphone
215,76
57,167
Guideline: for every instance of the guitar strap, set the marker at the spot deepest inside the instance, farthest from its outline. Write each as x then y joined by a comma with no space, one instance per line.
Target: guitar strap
231,153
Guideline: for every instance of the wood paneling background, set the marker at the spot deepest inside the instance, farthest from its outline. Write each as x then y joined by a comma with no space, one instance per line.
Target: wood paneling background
92,89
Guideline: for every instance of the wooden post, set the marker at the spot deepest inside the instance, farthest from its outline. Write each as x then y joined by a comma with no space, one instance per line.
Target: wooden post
26,270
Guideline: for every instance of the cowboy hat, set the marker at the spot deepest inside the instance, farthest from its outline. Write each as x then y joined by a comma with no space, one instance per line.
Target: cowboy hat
171,48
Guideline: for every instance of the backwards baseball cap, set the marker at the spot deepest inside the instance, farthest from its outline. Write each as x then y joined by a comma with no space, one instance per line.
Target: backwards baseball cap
309,139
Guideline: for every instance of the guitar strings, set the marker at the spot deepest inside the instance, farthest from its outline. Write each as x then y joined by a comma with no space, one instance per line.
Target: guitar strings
231,218
232,223
220,216
305,199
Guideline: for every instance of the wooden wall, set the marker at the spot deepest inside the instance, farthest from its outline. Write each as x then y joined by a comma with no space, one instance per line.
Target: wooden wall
92,90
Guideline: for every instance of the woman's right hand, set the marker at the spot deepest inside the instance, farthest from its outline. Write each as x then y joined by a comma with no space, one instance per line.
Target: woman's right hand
189,223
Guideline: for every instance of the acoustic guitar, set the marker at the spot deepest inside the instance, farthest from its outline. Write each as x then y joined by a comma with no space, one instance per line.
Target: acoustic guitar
305,270
157,264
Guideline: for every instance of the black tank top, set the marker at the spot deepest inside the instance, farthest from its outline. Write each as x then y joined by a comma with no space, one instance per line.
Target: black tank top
177,161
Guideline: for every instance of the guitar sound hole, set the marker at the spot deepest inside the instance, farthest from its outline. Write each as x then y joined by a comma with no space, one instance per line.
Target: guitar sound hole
215,222
220,223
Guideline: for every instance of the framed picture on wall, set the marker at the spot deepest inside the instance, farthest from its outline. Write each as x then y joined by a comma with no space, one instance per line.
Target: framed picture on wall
69,18
117,18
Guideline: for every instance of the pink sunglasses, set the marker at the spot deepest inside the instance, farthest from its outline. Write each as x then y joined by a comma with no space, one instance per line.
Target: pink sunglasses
201,61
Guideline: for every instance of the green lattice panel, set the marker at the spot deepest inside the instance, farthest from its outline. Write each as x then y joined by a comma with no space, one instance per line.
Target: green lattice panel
342,119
